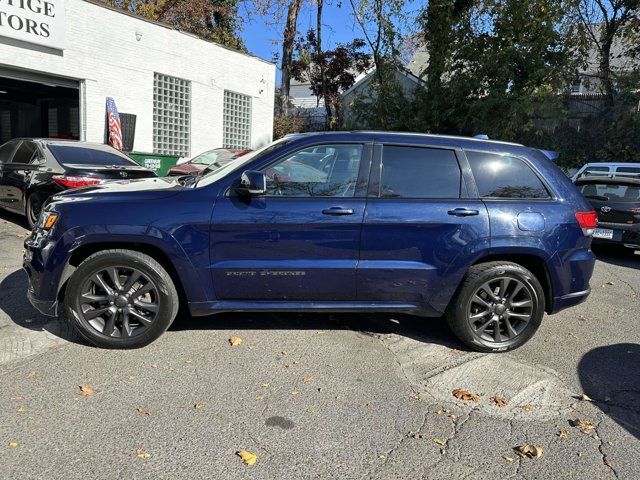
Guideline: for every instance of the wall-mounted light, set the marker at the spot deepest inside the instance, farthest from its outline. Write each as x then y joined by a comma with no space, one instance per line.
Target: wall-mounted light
138,35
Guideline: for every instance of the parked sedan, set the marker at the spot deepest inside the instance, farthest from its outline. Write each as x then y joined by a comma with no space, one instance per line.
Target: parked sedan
617,202
33,169
216,158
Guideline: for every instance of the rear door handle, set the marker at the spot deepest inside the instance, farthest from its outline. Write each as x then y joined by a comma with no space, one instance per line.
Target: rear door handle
337,211
463,212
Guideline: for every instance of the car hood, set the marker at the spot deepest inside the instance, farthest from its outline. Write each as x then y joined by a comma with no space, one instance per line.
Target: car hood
187,168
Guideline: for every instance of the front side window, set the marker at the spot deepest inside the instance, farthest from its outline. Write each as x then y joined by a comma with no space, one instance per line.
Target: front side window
327,171
503,176
415,172
595,171
171,115
236,120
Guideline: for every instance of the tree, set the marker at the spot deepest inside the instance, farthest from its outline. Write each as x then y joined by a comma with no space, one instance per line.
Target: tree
215,20
329,72
603,23
288,42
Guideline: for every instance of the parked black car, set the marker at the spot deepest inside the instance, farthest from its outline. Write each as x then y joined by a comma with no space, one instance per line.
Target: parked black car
617,202
33,169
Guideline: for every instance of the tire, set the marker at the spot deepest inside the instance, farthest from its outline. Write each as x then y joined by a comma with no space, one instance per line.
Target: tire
120,299
32,210
475,313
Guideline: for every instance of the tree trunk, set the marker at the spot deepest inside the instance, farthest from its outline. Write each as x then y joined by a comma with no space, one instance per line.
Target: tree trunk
290,30
323,75
604,66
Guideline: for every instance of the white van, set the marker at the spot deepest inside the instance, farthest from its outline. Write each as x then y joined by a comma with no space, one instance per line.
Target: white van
607,169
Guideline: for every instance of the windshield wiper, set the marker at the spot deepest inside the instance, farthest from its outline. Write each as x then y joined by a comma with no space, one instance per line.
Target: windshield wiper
598,197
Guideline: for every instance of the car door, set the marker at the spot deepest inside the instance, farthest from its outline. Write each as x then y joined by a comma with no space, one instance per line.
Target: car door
421,228
17,174
6,153
300,241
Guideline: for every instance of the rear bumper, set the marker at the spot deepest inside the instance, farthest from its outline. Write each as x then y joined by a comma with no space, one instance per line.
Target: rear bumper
627,237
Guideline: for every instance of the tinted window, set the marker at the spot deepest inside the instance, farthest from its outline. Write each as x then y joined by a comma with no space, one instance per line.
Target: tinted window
628,170
98,155
503,176
331,171
412,172
24,153
591,171
6,150
608,191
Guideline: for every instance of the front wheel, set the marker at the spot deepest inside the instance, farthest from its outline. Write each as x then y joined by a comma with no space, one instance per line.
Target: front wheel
120,299
498,307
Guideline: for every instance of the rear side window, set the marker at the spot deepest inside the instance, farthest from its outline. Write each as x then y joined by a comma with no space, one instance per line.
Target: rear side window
24,153
611,192
503,176
415,172
5,151
635,170
77,155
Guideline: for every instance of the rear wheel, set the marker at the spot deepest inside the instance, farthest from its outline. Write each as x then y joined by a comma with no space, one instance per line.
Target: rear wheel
120,299
498,307
32,210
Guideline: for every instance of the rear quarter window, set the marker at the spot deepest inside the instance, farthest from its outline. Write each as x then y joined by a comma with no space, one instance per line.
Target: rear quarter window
504,176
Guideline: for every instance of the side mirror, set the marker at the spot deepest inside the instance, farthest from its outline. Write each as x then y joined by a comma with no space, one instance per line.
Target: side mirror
253,182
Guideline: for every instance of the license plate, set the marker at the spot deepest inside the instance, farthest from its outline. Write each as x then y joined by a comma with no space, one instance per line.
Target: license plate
603,233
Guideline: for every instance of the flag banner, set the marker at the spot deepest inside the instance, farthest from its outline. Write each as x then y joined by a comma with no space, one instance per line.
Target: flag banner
115,126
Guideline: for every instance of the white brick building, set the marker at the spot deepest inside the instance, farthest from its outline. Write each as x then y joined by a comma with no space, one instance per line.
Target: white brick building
189,95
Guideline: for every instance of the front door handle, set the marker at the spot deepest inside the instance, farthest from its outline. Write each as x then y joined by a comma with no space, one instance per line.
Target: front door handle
337,211
463,212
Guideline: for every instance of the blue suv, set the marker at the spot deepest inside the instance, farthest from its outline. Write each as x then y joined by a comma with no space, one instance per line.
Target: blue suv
488,234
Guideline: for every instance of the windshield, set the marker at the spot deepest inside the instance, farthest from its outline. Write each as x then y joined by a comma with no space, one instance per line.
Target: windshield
611,192
90,155
219,157
217,174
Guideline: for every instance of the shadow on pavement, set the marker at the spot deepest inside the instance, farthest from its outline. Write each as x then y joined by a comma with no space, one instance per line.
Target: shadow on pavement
19,220
610,375
620,256
14,303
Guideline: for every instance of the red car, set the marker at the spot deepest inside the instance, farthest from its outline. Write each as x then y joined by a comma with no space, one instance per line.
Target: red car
215,158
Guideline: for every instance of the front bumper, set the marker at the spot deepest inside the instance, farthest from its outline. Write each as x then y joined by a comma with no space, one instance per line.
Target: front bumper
44,274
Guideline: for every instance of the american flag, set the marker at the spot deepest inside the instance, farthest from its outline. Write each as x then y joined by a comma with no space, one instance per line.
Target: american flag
115,127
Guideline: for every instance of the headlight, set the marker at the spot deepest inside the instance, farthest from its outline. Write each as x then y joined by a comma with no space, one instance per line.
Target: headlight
47,220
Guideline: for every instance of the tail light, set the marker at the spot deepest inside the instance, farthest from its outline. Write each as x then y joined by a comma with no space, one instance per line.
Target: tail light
75,182
587,221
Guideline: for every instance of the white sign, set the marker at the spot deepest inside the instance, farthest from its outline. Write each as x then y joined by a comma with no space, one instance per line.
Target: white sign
34,21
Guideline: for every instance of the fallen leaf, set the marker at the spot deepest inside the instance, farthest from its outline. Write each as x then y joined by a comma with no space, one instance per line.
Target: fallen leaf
32,374
154,365
235,341
607,462
265,385
527,408
416,435
86,390
198,406
142,411
439,442
416,397
585,398
21,409
508,459
295,392
140,453
247,457
251,346
499,401
584,426
563,434
259,397
13,444
528,451
131,378
610,283
464,395
307,378
15,397
321,332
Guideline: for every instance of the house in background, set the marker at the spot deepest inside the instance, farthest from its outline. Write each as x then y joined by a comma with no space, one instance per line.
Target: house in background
306,104
361,89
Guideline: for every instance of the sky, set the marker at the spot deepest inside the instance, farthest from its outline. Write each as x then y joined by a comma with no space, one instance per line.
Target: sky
339,26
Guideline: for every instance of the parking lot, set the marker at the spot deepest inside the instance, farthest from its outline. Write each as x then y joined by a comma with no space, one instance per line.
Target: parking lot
322,396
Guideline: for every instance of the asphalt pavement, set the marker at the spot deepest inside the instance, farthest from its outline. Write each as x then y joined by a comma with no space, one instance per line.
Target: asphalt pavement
322,396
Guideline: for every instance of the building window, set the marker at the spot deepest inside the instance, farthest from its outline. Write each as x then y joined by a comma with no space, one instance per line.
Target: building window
171,115
52,117
576,87
237,120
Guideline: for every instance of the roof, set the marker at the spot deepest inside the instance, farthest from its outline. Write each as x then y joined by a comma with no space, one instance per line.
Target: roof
169,27
368,74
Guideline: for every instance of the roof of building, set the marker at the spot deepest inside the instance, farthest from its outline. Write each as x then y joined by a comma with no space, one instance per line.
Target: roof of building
169,27
365,76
